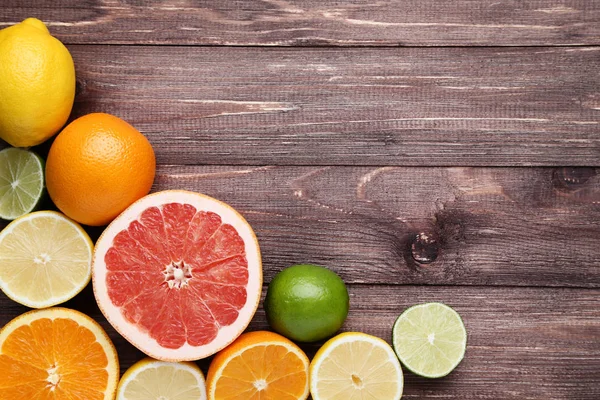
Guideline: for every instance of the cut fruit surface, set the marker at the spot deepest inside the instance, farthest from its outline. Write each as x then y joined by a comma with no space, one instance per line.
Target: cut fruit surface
178,274
45,259
356,366
21,182
57,354
430,339
259,365
153,379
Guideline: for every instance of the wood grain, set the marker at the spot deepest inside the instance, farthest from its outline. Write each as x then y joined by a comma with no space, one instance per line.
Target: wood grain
523,343
488,226
312,22
518,226
424,107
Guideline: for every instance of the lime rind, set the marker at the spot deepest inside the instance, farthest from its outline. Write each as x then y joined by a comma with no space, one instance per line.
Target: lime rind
430,339
21,182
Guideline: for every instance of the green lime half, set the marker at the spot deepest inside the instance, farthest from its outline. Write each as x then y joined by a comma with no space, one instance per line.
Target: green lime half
430,339
21,182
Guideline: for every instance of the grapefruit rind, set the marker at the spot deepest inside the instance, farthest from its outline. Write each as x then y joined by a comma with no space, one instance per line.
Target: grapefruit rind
81,319
130,331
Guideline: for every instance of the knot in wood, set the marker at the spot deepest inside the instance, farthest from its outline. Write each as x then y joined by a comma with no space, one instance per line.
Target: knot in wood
79,87
424,248
572,178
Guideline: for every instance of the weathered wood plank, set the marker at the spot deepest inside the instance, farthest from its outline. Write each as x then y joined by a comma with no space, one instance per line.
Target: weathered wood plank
312,22
492,226
460,107
523,343
486,226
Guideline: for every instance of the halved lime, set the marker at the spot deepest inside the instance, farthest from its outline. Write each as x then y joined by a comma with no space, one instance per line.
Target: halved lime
21,182
430,339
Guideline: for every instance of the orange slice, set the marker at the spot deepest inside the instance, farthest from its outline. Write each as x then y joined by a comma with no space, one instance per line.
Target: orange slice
57,354
259,366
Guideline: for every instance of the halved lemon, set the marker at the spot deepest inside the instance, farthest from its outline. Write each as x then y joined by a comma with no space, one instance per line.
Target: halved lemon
45,259
153,379
354,365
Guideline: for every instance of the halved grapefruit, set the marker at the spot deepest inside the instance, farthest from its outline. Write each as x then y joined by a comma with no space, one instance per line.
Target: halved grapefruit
178,274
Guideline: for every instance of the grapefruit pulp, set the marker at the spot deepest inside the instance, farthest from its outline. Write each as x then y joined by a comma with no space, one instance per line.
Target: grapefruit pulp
178,274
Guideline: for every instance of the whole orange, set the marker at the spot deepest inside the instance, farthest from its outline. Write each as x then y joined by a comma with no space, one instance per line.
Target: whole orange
97,167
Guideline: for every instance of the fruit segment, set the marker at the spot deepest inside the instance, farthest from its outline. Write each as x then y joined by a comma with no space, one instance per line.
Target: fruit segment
193,285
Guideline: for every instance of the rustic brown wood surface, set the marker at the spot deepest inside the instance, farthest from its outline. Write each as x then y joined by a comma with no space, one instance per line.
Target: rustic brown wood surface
508,226
407,170
457,106
320,23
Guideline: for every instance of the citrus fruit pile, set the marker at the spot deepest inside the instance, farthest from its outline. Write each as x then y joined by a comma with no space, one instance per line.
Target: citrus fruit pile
176,273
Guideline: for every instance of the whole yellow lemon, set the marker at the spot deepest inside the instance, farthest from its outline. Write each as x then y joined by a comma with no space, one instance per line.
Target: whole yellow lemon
37,84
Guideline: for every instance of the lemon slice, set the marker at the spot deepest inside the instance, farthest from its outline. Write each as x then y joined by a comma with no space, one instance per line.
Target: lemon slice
21,182
45,259
354,366
430,339
152,379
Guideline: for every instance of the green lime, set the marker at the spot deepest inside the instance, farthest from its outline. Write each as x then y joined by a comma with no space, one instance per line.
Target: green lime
307,303
21,182
430,339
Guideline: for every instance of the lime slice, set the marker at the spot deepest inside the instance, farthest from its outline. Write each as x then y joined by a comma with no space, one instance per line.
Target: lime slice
45,259
430,339
21,182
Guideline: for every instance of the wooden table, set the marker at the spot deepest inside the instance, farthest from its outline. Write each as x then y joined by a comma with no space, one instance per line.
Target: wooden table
425,150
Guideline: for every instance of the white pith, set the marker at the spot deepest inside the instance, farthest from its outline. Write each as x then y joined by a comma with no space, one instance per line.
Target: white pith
84,321
177,274
130,331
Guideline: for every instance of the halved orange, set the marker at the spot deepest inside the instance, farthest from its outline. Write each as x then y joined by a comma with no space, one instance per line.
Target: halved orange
259,365
57,354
